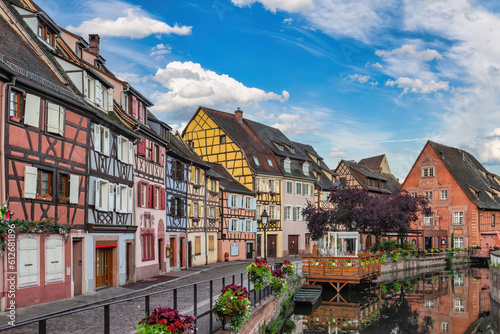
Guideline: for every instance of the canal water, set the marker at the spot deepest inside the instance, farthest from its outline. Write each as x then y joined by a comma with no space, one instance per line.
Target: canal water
453,301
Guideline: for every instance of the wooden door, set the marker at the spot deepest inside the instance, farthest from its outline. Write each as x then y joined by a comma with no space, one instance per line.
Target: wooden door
77,266
104,267
171,252
161,255
271,246
249,249
293,244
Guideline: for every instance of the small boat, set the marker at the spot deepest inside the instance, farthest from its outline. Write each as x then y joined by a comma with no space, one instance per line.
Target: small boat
308,294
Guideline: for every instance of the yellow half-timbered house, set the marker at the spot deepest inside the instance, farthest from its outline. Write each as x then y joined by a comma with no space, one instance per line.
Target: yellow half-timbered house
226,138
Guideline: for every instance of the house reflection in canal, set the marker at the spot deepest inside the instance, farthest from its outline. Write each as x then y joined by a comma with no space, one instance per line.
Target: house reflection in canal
442,302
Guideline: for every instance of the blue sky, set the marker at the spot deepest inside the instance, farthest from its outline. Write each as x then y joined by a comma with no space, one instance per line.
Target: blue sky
353,78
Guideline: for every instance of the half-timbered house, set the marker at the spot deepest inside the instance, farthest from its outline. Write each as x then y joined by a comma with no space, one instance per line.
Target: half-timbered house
227,139
44,162
237,221
297,185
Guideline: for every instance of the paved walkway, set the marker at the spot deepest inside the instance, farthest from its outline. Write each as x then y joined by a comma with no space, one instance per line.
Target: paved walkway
165,281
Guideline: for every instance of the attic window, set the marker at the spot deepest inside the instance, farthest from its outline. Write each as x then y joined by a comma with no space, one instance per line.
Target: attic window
270,163
45,34
223,139
280,147
288,165
428,172
291,149
305,168
256,161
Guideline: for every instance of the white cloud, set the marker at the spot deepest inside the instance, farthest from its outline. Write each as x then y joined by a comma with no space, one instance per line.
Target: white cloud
410,51
376,65
337,153
291,6
288,20
130,77
133,22
177,127
494,133
417,85
362,79
189,86
159,50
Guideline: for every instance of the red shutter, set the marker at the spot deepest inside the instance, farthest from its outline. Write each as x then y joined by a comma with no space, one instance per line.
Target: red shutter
139,193
133,107
152,151
162,198
139,111
148,195
153,197
141,148
161,156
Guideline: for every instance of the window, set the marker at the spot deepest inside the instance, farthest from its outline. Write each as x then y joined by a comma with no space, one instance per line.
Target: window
125,149
288,213
297,211
197,246
444,195
195,210
270,163
325,196
196,179
271,185
15,104
156,153
101,195
27,263
273,212
234,249
101,139
258,211
291,149
458,218
148,246
428,172
211,212
305,168
257,163
429,304
143,195
123,199
383,184
44,184
55,118
233,201
289,187
459,304
157,198
177,207
298,188
233,225
414,195
54,260
444,327
458,280
428,220
459,242
288,165
305,189
45,34
249,203
280,147
249,226
178,170
429,195
211,242
223,139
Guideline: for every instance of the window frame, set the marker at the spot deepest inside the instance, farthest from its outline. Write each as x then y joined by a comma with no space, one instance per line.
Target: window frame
148,246
298,188
222,139
270,163
256,161
428,172
429,220
19,99
458,218
289,187
443,195
39,180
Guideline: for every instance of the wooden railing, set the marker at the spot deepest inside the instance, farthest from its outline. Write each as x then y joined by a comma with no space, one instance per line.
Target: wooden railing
349,269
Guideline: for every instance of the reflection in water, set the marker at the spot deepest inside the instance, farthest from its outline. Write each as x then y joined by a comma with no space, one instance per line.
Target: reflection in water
441,302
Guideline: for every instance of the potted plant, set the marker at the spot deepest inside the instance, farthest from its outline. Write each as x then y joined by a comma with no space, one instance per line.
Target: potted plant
395,255
347,263
405,254
331,264
166,320
289,268
233,306
278,283
259,274
315,263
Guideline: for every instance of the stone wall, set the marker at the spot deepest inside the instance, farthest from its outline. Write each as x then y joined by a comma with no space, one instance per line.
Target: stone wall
268,309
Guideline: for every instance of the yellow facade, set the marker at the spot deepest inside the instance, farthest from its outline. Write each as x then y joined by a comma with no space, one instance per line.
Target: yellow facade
214,145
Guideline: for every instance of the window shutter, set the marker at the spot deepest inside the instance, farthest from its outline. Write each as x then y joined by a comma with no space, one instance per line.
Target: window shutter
254,203
278,213
32,110
133,106
131,152
217,213
30,178
62,112
98,93
162,153
118,192
85,85
110,99
74,188
54,259
130,199
191,211
294,213
192,174
241,224
254,226
202,177
119,147
52,117
112,188
139,194
106,142
183,208
162,199
230,228
141,148
201,210
98,195
149,196
97,138
28,261
139,110
277,186
207,212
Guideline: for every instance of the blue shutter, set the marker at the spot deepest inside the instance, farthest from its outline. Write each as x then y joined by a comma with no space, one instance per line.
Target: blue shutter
254,226
241,222
254,203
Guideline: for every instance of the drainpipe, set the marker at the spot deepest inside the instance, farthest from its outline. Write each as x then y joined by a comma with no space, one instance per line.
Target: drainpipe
206,218
3,196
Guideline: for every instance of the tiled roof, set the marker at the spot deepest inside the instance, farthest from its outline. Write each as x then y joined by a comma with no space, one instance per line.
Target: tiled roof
229,183
468,172
181,150
363,170
372,163
324,182
244,137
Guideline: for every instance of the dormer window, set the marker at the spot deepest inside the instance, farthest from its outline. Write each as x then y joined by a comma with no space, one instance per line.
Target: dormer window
270,163
291,149
305,168
223,139
45,34
256,161
280,147
288,165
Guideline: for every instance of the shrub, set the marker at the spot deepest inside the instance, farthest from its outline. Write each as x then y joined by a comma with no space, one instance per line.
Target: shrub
496,247
405,254
233,307
166,320
395,255
278,286
382,255
259,274
390,244
289,268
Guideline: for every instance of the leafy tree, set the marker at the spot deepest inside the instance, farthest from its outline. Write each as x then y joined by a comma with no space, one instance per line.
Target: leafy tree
372,214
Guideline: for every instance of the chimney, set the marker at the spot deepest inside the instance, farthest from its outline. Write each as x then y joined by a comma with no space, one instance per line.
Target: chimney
239,114
94,43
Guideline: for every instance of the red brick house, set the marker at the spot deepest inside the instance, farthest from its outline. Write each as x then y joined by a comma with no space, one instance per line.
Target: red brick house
463,195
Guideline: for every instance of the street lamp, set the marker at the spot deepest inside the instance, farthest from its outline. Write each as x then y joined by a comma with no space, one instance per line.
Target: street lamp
353,225
264,219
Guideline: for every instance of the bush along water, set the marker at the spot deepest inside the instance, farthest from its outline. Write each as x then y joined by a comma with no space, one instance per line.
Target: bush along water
233,307
259,274
166,320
